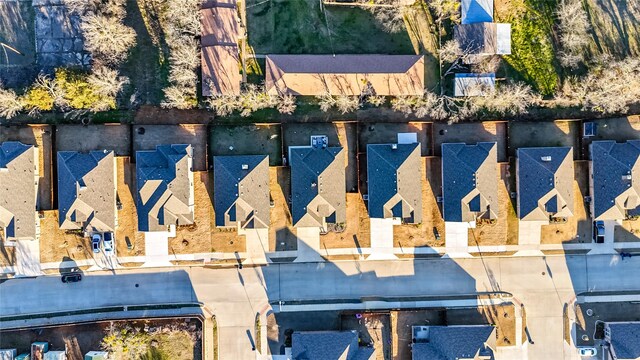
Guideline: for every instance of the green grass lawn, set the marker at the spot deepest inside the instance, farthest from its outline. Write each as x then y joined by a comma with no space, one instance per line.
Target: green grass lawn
300,27
533,55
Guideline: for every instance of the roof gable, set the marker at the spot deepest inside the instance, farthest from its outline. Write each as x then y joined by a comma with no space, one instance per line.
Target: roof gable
18,190
456,342
393,171
241,191
87,190
545,183
317,185
469,176
165,187
615,175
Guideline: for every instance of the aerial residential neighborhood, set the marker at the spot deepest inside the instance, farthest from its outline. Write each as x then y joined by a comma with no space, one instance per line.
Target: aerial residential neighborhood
319,179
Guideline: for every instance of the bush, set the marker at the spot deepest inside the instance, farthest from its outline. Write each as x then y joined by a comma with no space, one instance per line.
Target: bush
78,93
37,99
10,103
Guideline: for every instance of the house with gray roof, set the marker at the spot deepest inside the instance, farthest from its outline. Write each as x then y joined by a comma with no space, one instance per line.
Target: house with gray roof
328,345
622,340
545,183
318,183
465,342
615,179
395,181
241,191
87,191
165,187
19,191
469,181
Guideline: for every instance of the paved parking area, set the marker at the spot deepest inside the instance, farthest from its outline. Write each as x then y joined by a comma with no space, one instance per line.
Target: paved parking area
58,36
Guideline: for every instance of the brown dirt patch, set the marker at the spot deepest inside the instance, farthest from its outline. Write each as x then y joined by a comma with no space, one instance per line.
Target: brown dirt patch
471,133
628,232
420,235
40,136
196,238
126,232
282,234
374,329
59,245
387,133
7,253
502,316
356,234
86,138
577,229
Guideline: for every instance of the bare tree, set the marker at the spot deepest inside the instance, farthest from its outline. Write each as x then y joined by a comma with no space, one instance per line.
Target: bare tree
573,23
376,100
287,104
389,15
445,9
609,87
508,99
107,38
107,82
178,97
223,105
10,104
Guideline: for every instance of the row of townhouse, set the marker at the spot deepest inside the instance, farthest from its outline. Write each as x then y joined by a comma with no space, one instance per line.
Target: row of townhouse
86,190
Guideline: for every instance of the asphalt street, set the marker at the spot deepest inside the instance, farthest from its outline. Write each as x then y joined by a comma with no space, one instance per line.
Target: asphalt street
542,284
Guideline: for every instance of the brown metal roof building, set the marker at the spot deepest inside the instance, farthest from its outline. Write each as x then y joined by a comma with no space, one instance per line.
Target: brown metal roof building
345,74
220,59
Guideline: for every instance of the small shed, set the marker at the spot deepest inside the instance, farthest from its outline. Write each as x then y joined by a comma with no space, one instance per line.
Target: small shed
97,355
466,84
8,354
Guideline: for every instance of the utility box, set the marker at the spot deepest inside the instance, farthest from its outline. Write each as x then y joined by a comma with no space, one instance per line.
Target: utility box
97,355
8,354
55,355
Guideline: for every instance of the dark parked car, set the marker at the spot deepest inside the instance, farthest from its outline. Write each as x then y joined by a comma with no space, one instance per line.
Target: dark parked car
598,232
71,278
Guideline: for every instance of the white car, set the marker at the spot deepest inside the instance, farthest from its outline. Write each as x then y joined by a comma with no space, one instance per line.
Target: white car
107,243
587,351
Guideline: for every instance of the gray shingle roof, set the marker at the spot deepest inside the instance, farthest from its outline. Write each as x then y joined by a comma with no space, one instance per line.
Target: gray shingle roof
18,190
241,191
328,345
317,185
469,177
615,181
625,339
456,342
165,187
395,181
545,182
87,191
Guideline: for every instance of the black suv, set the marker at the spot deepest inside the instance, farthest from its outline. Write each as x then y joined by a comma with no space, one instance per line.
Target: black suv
71,278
